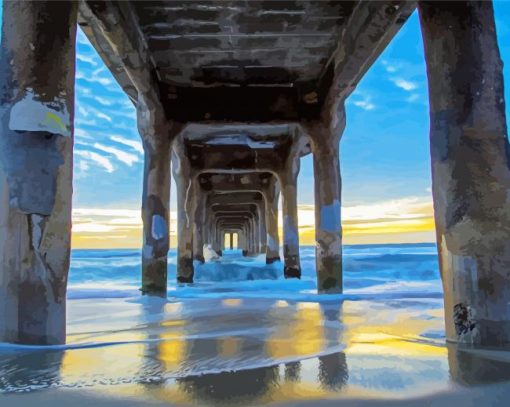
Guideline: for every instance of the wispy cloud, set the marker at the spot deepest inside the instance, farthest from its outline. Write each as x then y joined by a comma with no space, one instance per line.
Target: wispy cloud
103,101
364,103
363,223
82,39
413,97
80,133
391,66
404,84
102,161
89,59
126,158
93,79
135,145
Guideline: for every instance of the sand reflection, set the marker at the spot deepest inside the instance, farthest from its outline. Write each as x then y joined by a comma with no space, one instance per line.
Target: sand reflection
254,351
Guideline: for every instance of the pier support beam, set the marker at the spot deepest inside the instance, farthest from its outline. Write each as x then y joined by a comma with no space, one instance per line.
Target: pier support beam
199,226
261,208
36,141
325,139
186,185
271,195
288,181
157,136
470,168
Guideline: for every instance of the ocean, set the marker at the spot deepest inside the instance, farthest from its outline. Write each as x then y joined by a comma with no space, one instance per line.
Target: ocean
242,334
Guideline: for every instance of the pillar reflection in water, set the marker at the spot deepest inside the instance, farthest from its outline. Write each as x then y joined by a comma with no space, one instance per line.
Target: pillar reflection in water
293,372
152,368
470,367
29,370
238,387
333,372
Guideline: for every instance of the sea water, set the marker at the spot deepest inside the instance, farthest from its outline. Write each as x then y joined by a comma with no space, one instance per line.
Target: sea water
241,333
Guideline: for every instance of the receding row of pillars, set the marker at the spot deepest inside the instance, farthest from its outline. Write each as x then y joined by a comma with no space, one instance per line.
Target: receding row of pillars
469,159
199,224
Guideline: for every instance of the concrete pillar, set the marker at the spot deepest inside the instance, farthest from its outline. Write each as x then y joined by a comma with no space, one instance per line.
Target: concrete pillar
248,237
199,225
470,169
324,141
261,208
36,141
231,241
186,185
253,235
251,248
256,227
243,242
288,180
217,238
271,195
156,135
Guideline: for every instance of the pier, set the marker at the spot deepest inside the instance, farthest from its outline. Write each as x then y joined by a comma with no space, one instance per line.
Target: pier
229,96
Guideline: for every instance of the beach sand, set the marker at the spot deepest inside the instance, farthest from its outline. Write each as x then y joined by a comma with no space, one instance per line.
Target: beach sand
231,342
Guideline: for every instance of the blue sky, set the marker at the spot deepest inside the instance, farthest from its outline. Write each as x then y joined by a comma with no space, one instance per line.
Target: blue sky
384,149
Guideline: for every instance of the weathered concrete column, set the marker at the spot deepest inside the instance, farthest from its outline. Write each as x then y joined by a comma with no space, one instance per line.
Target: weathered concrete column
251,224
261,208
199,225
186,185
157,135
256,229
470,169
288,181
244,241
37,69
325,139
222,239
249,237
271,195
217,241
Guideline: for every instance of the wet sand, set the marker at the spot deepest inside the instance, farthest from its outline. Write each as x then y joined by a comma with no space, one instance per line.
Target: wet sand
491,395
232,352
232,341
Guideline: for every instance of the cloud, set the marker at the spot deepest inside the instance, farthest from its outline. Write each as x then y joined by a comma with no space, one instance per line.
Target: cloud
93,79
89,59
135,145
103,101
82,39
82,122
97,158
127,158
364,103
80,133
394,220
82,110
83,165
413,97
390,67
404,84
87,110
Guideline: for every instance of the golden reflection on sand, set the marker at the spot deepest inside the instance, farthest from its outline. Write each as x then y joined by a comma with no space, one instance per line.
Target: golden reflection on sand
368,333
300,336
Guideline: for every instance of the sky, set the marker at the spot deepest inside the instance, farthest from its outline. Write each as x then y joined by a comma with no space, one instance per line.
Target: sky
385,164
